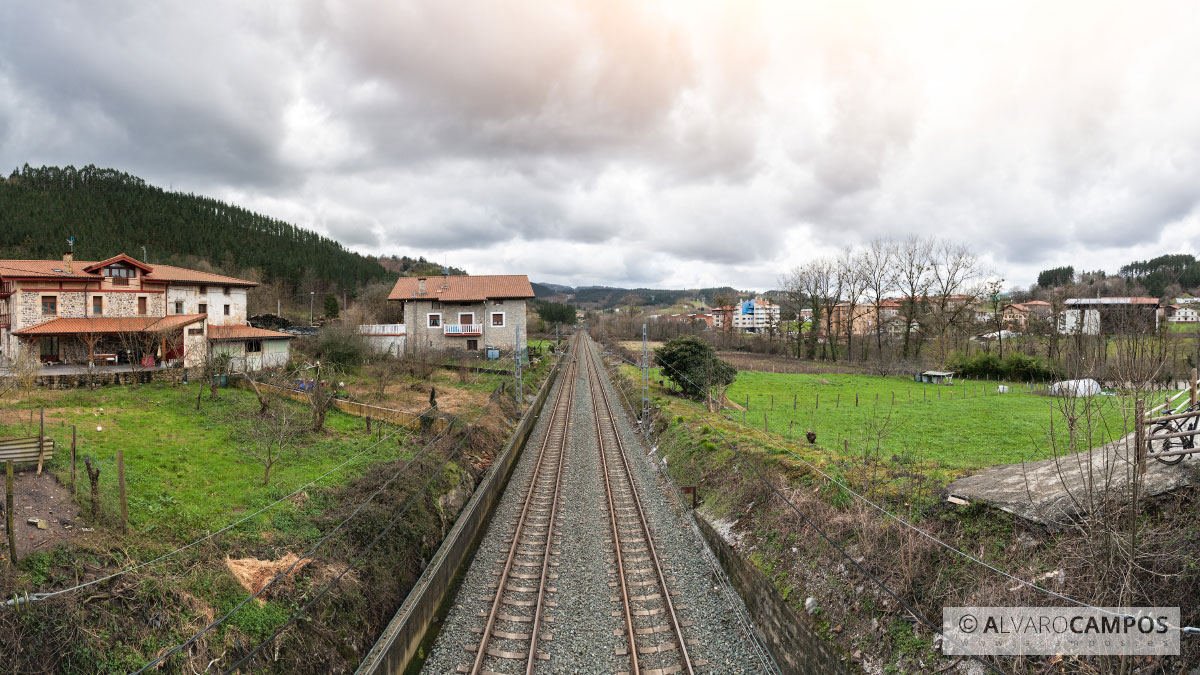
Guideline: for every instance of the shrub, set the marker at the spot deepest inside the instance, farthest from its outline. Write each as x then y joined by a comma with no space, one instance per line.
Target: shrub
1014,366
341,346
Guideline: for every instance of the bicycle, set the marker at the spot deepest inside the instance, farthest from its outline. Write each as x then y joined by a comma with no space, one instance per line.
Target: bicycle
1158,444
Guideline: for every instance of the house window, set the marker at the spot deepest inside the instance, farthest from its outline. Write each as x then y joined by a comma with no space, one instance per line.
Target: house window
120,272
435,320
142,306
253,346
226,289
466,317
195,331
226,310
472,345
203,308
49,305
179,307
97,305
48,346
498,319
203,290
437,305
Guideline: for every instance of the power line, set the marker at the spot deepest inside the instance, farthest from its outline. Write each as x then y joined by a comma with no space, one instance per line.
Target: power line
308,554
399,514
43,596
1186,630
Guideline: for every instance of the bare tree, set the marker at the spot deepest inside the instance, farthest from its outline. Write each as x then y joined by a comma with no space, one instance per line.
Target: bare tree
912,280
953,271
320,391
853,285
878,268
793,301
271,433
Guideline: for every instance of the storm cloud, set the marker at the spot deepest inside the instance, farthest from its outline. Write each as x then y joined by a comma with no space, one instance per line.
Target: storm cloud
637,143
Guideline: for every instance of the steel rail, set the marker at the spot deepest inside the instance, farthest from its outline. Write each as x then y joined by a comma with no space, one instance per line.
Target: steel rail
559,412
656,563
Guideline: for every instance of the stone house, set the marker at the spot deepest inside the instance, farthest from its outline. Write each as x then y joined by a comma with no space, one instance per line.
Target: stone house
123,310
464,312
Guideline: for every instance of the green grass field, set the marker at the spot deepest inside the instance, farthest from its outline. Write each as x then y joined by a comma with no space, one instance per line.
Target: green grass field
188,471
968,427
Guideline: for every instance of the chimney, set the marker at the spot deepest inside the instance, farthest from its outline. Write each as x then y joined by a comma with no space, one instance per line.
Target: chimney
67,260
421,286
445,281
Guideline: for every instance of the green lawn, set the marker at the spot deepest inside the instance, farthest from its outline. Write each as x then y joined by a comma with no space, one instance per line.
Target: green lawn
969,426
187,471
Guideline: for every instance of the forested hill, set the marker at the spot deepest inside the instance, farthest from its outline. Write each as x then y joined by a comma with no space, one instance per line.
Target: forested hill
110,212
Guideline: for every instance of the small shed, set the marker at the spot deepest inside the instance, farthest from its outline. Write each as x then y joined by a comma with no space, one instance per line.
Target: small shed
935,377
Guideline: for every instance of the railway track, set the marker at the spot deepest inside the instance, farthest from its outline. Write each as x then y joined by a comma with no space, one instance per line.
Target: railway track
654,639
512,625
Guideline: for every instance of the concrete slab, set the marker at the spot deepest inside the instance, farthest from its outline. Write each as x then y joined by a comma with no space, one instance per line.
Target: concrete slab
1057,491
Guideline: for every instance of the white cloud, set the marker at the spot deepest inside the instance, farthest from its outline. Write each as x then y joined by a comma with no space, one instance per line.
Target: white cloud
621,142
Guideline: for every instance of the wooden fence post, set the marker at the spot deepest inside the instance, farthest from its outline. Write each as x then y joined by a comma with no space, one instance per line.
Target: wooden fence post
121,488
72,460
838,402
1139,436
817,403
876,399
94,479
747,401
765,423
856,399
8,512
743,415
772,401
368,424
41,438
794,397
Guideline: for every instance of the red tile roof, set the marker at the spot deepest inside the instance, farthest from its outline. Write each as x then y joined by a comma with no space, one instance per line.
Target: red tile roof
244,333
463,288
57,269
110,325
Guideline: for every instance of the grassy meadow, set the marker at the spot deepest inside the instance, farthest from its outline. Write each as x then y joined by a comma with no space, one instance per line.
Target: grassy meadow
186,471
960,427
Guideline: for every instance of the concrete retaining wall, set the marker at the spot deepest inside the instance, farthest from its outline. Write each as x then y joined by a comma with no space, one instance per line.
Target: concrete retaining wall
792,641
403,636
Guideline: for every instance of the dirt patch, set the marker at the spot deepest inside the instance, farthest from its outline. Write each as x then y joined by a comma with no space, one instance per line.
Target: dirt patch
41,498
253,573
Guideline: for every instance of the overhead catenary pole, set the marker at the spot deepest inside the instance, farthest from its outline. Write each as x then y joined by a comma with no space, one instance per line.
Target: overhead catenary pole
645,380
517,368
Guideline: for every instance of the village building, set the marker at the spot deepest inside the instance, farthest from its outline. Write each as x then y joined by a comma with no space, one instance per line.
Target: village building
1107,316
1183,314
461,312
755,315
125,311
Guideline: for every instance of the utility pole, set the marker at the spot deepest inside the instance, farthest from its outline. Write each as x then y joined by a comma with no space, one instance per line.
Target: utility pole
645,380
517,368
311,294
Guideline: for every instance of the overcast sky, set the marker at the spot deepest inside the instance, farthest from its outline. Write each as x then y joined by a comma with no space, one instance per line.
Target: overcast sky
669,144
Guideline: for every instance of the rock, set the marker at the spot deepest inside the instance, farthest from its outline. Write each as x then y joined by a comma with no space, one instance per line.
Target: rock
810,605
43,525
857,655
33,521
837,628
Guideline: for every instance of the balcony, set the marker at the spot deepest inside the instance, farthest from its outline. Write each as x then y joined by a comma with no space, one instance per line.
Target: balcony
5,321
7,288
462,329
383,329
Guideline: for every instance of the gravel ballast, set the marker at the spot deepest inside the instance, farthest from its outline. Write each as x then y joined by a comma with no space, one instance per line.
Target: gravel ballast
585,634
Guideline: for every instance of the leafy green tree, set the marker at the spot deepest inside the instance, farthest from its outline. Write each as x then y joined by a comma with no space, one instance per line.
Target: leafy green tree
331,306
1057,276
692,364
557,312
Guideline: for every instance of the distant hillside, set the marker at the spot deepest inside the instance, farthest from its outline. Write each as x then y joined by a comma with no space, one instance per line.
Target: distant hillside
416,267
605,297
109,212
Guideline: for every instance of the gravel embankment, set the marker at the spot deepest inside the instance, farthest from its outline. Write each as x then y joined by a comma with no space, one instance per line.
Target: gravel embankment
582,624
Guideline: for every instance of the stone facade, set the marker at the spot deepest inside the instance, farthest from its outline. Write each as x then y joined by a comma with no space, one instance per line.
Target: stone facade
503,337
119,296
